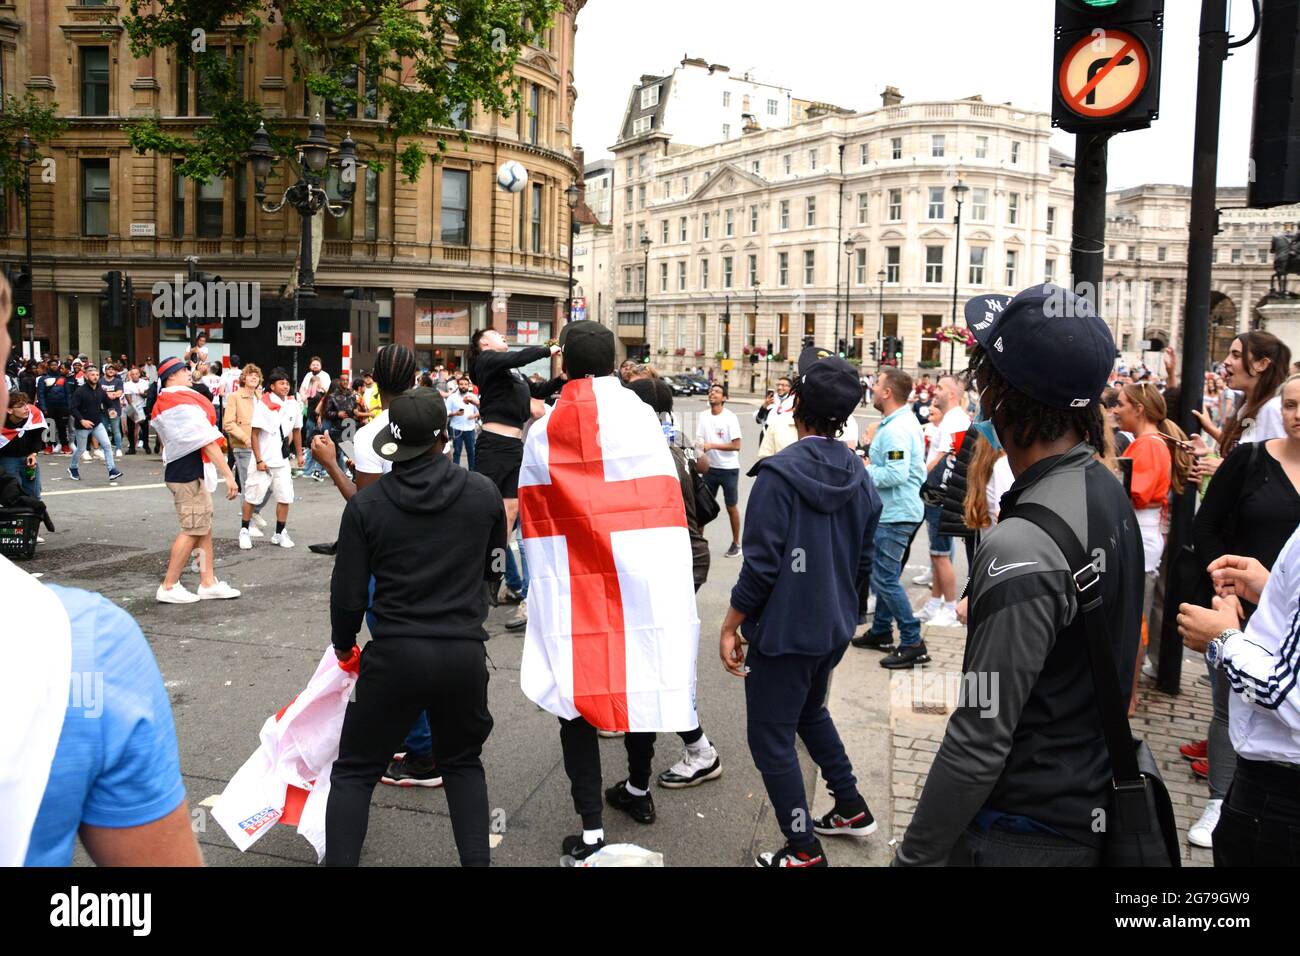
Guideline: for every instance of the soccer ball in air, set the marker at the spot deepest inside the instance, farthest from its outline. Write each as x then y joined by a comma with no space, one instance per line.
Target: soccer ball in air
512,177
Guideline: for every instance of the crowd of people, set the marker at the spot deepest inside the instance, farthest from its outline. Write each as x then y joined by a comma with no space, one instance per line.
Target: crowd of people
1041,447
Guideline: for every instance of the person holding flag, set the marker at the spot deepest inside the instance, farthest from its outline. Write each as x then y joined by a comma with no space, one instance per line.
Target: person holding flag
186,423
613,631
21,440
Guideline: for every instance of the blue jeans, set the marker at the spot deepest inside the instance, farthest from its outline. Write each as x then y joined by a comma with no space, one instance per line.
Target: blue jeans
994,847
309,465
516,580
892,604
115,429
462,439
941,545
83,438
16,467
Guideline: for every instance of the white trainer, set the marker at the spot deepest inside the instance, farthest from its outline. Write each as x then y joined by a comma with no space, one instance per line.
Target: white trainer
1202,832
245,540
929,609
219,591
99,454
255,532
176,594
944,617
282,539
692,770
259,520
925,578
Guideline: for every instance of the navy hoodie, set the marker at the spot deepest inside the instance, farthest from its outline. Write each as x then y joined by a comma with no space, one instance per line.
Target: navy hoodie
809,525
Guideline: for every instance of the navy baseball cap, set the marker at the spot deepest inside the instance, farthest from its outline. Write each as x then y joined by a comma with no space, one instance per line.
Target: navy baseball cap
828,386
1047,342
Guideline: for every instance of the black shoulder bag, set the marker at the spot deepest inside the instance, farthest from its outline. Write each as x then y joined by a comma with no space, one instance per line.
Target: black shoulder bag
1140,828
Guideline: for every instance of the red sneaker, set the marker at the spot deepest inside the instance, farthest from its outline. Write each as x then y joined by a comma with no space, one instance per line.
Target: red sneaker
49,449
1195,751
1201,768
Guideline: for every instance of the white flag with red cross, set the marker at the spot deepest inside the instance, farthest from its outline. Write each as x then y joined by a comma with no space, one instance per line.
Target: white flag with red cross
612,625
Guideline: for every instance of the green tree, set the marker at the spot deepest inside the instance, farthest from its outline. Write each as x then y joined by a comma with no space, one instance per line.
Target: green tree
430,59
42,124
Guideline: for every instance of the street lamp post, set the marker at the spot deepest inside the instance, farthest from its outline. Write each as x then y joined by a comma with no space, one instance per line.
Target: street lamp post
572,194
726,344
646,243
959,190
850,246
756,284
27,156
880,324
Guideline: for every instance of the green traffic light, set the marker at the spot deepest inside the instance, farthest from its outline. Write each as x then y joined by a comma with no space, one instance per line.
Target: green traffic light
21,310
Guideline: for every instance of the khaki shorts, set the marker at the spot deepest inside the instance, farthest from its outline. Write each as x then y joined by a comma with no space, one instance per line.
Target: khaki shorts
193,506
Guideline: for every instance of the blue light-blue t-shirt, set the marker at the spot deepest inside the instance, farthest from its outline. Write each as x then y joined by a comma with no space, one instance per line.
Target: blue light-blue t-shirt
117,763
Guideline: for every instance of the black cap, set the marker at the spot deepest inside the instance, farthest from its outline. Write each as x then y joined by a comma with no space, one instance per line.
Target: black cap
415,420
588,349
828,386
1047,342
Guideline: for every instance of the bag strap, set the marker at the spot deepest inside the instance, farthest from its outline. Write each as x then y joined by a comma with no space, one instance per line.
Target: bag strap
1110,699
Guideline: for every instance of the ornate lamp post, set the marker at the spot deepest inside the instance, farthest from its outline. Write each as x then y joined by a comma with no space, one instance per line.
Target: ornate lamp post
959,190
646,243
572,195
27,156
880,325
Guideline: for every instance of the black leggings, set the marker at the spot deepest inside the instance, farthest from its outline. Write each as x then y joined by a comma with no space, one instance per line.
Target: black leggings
581,746
401,676
60,419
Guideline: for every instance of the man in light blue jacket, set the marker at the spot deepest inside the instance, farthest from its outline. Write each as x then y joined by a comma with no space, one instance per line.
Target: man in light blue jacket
897,469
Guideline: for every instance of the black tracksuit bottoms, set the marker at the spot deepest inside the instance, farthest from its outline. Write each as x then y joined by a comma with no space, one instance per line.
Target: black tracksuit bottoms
401,676
581,747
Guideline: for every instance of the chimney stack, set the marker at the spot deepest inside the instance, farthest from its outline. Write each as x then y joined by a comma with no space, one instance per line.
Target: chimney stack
891,96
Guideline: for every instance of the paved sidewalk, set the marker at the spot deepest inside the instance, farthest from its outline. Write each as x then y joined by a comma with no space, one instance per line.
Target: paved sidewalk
919,709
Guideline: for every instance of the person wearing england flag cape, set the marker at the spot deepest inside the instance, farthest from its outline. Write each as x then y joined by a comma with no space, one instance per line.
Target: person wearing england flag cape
612,627
186,423
21,439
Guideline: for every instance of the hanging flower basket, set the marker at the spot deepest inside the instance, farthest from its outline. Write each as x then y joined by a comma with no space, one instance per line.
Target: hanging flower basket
956,335
680,352
699,353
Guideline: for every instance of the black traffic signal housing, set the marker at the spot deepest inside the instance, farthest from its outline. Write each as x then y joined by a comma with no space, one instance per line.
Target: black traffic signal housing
1275,136
110,306
842,347
20,281
875,351
1086,35
808,341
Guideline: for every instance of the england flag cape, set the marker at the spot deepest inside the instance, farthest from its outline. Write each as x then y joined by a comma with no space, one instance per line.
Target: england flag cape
186,422
612,625
34,421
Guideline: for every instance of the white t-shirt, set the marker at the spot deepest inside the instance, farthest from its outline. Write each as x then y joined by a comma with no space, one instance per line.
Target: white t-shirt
719,429
1267,423
954,421
273,426
999,484
465,422
134,392
215,385
850,432
363,447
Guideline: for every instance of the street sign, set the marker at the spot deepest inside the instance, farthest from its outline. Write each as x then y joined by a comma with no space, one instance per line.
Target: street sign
291,333
728,364
579,310
1103,74
143,229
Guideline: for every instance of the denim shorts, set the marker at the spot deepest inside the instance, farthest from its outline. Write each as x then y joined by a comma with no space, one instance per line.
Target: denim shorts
941,545
728,479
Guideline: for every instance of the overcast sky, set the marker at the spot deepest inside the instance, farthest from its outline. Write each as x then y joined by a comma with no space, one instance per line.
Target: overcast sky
847,52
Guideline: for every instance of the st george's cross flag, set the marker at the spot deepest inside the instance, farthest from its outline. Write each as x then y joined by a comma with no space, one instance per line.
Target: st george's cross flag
612,625
186,422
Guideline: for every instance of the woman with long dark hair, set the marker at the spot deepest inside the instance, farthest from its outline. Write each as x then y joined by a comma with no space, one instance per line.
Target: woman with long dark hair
1256,365
505,406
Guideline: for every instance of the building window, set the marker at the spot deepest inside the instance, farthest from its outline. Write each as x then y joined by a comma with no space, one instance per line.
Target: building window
372,203
809,267
783,268
753,219
810,324
681,276
704,273
212,203
534,108
936,208
1013,209
241,199
810,217
864,153
729,226
938,145
94,197
978,255
979,205
981,147
812,159
627,199
663,232
1110,251
753,271
1049,271
934,264
640,197
700,332
726,100
1162,254
785,162
772,107
864,200
931,347
640,279
785,214
705,222
627,237
896,147
649,97
754,167
726,272
893,263
178,203
1051,220
895,211
1012,261
629,167
455,207
537,218
860,267
642,124
663,277
1236,255
726,131
681,229
1015,152
94,81
627,280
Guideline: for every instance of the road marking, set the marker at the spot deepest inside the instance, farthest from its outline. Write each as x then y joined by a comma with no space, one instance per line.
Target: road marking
88,491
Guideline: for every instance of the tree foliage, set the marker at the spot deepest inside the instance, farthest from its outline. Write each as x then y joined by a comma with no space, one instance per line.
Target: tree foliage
423,62
41,123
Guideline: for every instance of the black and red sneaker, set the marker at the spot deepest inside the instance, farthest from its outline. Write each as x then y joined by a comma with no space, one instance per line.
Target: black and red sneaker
789,855
410,770
842,821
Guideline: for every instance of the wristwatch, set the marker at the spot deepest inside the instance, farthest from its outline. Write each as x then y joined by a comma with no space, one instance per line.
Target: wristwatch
1214,650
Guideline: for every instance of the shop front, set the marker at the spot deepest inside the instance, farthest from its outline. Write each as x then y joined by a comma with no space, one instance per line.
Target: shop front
443,327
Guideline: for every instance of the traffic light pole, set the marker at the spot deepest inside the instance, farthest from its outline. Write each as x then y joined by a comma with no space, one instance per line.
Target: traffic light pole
1196,316
31,277
1089,244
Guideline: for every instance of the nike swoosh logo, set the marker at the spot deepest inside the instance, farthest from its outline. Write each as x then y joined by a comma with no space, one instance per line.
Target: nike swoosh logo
994,570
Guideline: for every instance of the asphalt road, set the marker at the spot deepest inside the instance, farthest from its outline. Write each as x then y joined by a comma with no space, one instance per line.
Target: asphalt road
229,664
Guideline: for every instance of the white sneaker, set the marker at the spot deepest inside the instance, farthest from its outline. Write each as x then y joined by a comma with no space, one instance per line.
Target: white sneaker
871,603
282,539
245,540
693,769
1148,668
259,520
929,609
255,532
87,456
220,591
925,578
946,616
176,594
99,455
1202,832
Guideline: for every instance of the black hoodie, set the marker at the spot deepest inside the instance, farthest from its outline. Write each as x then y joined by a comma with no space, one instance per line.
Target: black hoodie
430,534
